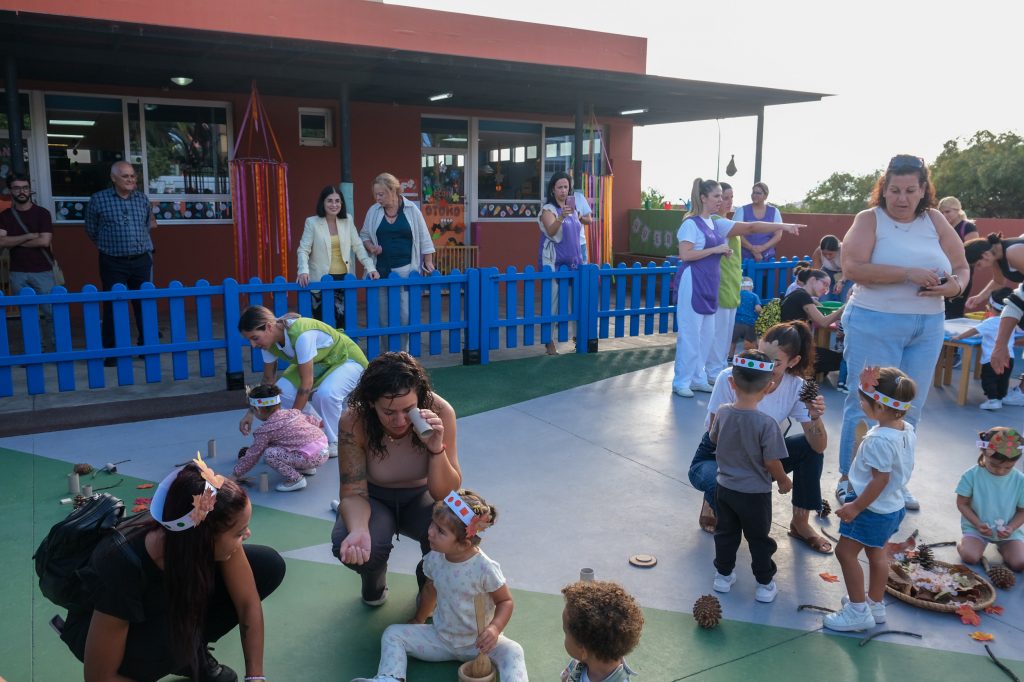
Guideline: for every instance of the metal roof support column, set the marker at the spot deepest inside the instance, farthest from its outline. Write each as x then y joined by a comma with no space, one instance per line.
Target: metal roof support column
760,144
343,135
14,116
577,148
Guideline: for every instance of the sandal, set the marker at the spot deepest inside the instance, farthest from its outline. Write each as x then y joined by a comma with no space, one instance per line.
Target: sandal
815,542
708,522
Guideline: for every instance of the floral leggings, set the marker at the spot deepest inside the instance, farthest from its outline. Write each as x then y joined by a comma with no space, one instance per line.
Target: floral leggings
288,462
425,643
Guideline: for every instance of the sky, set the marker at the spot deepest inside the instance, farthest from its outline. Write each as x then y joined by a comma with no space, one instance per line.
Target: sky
906,77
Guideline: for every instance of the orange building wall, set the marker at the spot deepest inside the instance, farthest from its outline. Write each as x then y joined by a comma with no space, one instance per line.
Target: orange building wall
371,24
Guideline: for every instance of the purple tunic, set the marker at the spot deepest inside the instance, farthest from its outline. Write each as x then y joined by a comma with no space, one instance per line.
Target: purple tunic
705,272
759,238
567,251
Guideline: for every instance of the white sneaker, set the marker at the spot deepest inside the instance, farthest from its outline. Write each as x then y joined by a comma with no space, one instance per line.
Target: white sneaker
1014,398
909,501
332,449
723,583
379,601
712,376
683,392
849,619
877,609
703,388
307,472
843,489
766,593
289,487
335,504
992,404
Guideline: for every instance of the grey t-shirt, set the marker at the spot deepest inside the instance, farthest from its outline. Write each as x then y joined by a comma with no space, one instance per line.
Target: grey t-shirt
745,440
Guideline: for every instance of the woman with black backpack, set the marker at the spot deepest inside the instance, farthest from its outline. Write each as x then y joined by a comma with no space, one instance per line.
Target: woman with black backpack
181,580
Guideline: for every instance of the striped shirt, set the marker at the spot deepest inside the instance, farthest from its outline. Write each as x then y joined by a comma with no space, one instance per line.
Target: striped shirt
119,227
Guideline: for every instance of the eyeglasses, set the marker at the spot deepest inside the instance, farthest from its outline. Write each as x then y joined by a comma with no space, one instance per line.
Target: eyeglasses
24,189
905,162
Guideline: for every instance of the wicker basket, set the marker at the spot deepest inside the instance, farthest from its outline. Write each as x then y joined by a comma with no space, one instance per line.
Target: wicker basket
988,593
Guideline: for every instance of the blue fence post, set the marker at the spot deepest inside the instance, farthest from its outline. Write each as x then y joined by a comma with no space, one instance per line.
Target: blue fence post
471,354
6,381
32,340
586,330
61,317
234,373
150,335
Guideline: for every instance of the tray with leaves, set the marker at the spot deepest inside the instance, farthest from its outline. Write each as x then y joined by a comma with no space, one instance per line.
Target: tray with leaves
942,587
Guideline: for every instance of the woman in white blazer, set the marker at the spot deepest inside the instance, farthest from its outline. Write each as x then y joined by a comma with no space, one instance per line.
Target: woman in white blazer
396,234
326,249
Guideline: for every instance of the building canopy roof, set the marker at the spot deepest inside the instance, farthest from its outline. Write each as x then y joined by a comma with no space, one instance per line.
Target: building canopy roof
75,50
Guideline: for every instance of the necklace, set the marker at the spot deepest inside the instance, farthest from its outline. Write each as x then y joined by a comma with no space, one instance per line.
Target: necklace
392,439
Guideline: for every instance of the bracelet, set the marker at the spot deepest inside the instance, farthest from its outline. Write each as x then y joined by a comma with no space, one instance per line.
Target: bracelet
439,452
248,678
959,284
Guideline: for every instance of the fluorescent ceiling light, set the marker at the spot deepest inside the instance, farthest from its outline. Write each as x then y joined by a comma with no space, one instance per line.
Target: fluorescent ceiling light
181,80
630,112
454,139
441,96
71,136
70,122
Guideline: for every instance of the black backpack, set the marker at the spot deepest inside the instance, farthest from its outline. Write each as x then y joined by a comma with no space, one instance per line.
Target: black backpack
69,545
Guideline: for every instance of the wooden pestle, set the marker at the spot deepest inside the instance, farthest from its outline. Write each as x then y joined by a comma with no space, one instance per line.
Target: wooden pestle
481,665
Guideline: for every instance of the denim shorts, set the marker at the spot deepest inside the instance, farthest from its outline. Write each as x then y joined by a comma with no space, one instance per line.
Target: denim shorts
871,529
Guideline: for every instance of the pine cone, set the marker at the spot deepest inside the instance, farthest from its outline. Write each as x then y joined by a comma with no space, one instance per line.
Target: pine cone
1001,577
810,391
83,469
707,611
926,557
825,510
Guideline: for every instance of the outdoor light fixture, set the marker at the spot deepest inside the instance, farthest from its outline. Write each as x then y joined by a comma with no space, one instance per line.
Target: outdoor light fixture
181,80
70,136
630,112
441,96
454,139
69,122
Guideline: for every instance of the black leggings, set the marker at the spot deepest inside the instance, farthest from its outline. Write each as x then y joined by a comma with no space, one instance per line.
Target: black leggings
147,655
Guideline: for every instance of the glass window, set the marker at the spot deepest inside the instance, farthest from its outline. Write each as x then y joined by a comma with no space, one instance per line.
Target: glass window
443,179
315,127
186,149
508,183
82,147
558,149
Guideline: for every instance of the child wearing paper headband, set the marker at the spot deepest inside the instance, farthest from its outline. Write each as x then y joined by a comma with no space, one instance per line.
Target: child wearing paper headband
872,513
457,571
990,497
289,441
748,446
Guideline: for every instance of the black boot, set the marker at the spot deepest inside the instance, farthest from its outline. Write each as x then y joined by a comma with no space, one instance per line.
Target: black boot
210,670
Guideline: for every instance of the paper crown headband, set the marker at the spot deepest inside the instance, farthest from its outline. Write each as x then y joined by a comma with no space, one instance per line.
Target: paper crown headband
475,523
202,504
1005,441
265,402
868,386
750,363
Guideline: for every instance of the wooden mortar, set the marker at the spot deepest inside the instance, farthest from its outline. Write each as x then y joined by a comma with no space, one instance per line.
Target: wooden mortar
480,668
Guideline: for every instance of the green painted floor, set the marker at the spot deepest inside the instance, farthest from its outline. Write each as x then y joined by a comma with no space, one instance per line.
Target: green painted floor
317,629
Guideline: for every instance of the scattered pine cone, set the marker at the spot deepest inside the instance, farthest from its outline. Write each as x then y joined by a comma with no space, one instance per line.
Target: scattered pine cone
810,391
825,510
925,557
707,611
83,469
1002,577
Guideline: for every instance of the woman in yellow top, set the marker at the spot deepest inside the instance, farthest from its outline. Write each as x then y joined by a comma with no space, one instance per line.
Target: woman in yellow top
326,249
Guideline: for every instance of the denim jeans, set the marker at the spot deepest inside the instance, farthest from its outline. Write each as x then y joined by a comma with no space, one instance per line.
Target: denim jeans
41,283
804,463
910,342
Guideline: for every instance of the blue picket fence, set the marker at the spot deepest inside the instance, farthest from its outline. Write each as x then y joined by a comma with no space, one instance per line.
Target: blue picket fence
472,312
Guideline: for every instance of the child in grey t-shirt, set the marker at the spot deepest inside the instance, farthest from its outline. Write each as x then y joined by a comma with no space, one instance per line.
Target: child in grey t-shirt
749,446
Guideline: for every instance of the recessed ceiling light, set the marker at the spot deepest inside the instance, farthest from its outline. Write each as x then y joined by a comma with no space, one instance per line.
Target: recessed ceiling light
70,122
181,80
454,139
440,96
630,112
70,136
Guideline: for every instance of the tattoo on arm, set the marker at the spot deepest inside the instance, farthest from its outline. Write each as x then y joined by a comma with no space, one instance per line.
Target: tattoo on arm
353,461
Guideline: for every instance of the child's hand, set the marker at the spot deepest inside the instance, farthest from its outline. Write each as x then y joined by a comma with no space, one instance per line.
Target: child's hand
246,424
488,639
848,512
785,484
985,530
1004,533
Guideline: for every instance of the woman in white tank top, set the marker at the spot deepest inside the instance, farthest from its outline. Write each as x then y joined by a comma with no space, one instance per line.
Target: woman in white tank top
905,258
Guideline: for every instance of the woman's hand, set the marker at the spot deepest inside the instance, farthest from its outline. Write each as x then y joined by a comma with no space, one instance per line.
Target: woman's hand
375,249
373,274
355,548
303,279
816,408
947,289
723,249
245,426
791,228
922,277
435,443
566,212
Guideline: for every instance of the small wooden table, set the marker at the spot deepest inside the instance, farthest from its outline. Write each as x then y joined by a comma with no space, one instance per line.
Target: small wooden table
970,349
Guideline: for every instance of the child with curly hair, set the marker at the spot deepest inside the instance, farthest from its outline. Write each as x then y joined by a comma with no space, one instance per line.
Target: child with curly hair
456,570
990,497
289,441
873,512
602,623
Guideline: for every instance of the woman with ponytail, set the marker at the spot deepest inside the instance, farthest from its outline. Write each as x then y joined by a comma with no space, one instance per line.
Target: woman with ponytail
171,581
702,243
1004,256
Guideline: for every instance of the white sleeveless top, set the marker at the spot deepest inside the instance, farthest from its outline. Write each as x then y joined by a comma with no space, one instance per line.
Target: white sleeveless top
915,245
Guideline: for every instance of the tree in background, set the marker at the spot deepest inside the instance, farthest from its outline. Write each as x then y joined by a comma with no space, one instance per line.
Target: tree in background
839,193
986,174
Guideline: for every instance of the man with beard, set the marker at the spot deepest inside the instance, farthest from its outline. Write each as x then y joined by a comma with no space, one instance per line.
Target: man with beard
29,232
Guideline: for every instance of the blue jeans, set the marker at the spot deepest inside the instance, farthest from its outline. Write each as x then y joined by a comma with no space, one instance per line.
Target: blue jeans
804,463
910,342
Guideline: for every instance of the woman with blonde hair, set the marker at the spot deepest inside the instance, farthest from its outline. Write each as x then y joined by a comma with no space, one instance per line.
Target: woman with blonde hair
951,209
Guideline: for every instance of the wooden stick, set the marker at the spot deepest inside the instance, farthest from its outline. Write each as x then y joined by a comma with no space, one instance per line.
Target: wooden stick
481,665
870,637
1009,673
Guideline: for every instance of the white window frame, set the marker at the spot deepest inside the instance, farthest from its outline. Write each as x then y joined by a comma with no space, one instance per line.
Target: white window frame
328,139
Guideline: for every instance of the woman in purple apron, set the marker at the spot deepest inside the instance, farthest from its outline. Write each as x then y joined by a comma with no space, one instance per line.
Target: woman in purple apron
560,229
702,243
760,246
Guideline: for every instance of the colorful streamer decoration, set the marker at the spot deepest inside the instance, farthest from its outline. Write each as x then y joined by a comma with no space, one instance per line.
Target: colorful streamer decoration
259,190
599,186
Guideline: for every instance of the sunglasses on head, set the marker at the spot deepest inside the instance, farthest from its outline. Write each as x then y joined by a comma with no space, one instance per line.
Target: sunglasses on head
905,162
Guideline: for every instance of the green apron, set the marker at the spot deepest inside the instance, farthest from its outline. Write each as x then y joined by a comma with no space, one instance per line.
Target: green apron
327,359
